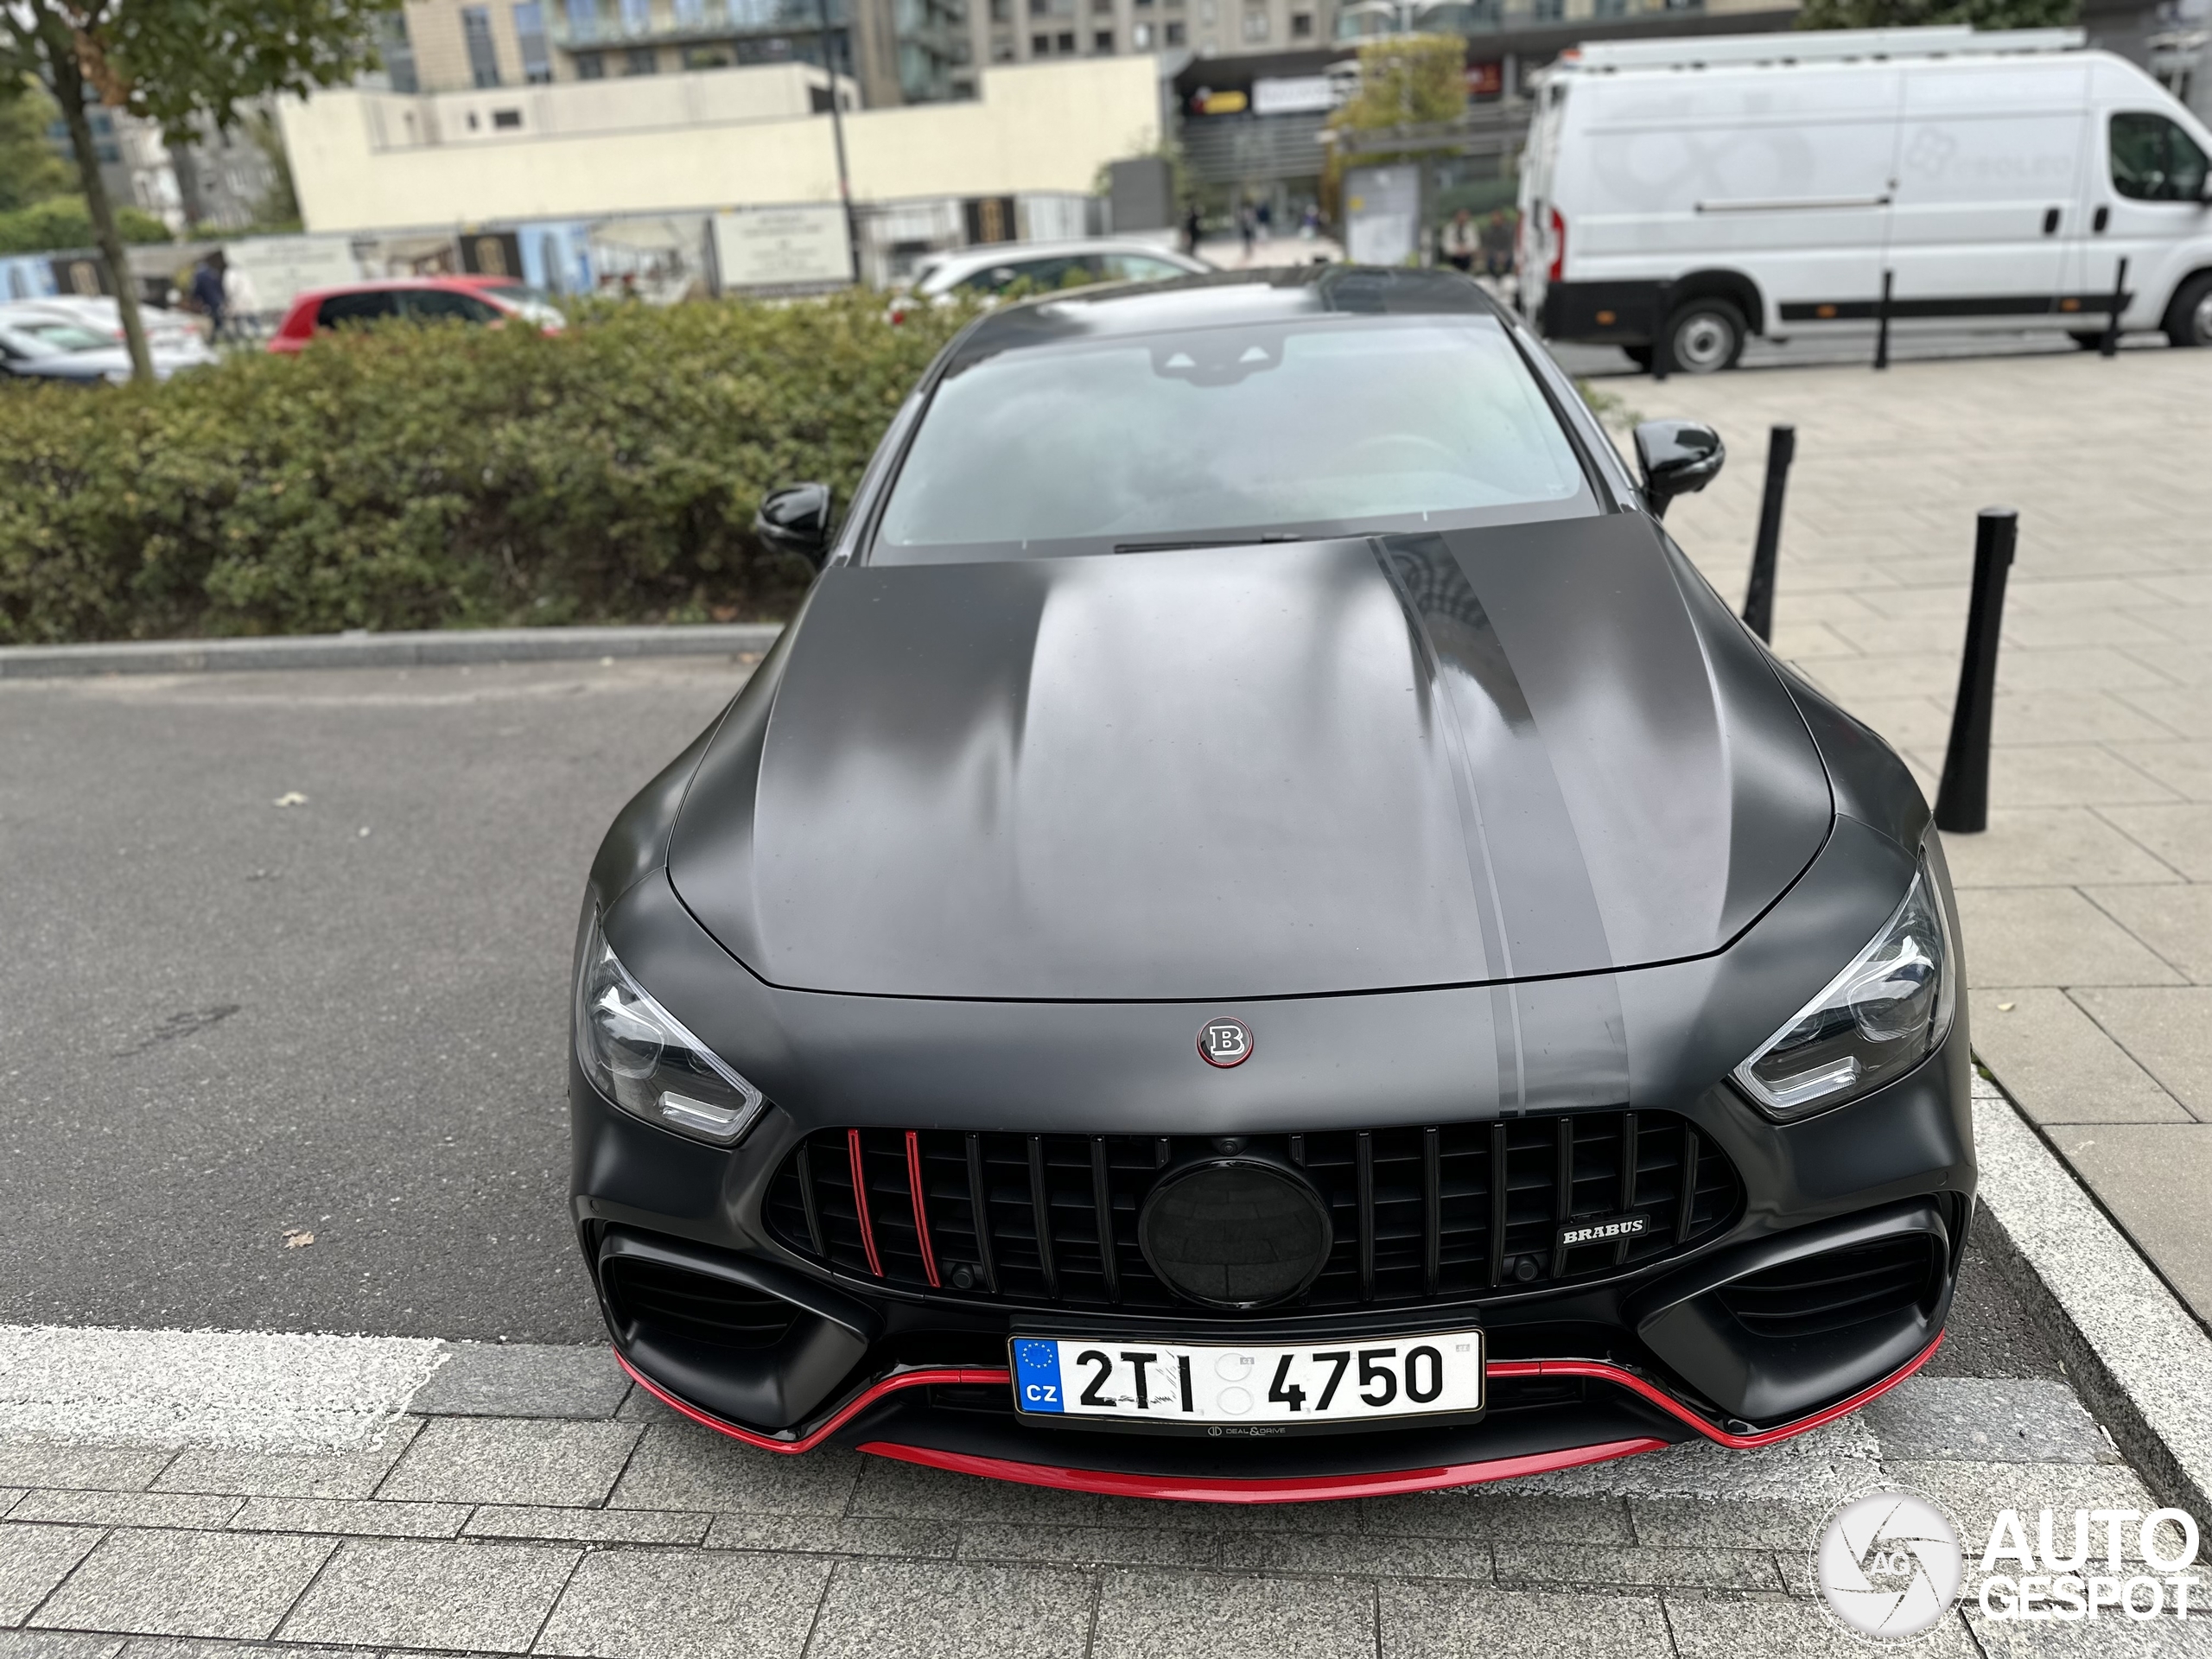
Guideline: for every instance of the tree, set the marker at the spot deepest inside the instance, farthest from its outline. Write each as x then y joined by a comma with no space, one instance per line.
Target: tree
1908,14
1406,82
178,62
29,170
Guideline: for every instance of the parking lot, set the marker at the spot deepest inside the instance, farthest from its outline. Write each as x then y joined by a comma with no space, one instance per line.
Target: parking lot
288,958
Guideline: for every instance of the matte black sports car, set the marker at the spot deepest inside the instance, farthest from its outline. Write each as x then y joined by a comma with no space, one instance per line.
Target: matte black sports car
1264,934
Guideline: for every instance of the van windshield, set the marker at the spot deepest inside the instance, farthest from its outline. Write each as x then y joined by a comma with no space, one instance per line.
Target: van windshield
1283,429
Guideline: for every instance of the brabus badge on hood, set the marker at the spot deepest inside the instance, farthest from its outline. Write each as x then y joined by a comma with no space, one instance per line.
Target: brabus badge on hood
1226,1042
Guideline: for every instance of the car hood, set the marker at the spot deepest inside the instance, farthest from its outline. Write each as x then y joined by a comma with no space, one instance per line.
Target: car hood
1264,770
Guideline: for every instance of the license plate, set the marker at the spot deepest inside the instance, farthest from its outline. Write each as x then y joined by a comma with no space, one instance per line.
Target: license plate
1134,1381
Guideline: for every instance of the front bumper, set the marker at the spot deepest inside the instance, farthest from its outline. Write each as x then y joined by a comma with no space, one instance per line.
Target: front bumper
1606,1366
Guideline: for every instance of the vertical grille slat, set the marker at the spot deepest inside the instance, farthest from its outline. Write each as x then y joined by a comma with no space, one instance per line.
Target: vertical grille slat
1041,1208
1435,1213
1432,1228
1102,1204
1628,1181
816,1241
1366,1177
979,1206
921,1208
860,1201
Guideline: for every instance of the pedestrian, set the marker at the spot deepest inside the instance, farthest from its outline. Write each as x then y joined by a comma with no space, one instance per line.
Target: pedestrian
208,295
1190,224
241,303
1498,243
1267,217
1247,225
1461,241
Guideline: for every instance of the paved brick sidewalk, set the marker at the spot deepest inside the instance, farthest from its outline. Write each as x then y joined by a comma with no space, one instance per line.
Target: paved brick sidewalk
529,1502
2087,904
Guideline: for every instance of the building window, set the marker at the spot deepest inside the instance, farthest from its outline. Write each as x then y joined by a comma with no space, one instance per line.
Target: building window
1066,41
1301,26
641,60
506,120
583,20
1103,41
1175,33
1003,48
1255,25
398,52
1140,37
637,17
476,30
590,65
1041,46
530,35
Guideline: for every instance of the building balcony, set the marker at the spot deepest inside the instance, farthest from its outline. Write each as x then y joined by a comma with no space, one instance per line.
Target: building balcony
1366,19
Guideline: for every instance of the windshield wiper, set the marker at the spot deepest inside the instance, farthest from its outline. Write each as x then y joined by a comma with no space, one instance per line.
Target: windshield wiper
1181,544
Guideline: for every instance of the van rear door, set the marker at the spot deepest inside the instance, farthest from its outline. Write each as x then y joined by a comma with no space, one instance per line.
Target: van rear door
1988,169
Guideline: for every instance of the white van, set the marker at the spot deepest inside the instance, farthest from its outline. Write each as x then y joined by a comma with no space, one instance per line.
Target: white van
1700,191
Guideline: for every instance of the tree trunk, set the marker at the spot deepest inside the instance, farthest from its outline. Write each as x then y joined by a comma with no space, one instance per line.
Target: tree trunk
69,88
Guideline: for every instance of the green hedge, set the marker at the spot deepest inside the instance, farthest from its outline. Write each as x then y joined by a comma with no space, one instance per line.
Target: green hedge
420,478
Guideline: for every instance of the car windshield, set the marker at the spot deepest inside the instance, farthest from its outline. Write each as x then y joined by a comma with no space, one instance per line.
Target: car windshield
63,336
1335,426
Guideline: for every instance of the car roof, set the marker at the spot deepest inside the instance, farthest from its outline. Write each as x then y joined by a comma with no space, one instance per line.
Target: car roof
1219,298
1001,253
467,285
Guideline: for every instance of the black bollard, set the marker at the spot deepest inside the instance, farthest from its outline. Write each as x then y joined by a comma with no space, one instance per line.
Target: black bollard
2109,346
1882,322
1963,801
1758,599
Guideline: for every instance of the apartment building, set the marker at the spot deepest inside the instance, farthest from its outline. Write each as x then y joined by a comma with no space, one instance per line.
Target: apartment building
1023,31
900,51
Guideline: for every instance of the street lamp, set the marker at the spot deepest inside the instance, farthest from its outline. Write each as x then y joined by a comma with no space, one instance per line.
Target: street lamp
837,136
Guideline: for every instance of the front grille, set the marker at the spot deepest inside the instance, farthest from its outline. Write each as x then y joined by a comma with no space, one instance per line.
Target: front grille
1835,1290
695,1306
1418,1214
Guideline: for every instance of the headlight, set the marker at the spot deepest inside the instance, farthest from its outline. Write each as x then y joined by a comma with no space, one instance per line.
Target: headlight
642,1058
1876,1021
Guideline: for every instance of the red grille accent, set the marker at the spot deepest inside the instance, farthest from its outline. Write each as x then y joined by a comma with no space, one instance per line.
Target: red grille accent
860,1200
921,1205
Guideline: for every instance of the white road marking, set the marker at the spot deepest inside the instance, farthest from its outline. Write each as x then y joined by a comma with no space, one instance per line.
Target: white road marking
205,1388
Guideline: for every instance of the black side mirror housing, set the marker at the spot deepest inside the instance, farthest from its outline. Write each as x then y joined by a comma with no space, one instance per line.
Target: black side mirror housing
796,519
1676,457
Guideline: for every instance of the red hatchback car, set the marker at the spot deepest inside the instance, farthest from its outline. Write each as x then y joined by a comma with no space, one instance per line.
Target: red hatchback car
426,299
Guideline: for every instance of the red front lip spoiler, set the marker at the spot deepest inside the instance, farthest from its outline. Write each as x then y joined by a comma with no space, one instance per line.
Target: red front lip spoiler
1295,1489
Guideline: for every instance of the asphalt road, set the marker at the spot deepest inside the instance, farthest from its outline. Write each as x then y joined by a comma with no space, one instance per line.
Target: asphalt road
221,1018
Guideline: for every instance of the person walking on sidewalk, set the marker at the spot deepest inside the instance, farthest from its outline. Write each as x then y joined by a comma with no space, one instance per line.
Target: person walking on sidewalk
1461,241
207,294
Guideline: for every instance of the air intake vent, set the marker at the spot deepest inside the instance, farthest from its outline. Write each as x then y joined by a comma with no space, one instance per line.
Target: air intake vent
1836,1289
1417,1214
673,1302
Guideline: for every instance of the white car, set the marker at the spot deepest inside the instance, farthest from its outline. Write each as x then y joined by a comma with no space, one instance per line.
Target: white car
1690,192
174,337
989,271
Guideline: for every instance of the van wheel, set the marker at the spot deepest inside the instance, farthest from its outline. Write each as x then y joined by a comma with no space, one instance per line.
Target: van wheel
1704,336
2188,319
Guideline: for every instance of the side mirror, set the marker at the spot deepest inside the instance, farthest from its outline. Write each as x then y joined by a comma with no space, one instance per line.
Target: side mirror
1676,457
796,519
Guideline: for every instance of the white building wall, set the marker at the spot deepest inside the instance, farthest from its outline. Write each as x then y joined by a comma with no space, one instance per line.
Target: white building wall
359,166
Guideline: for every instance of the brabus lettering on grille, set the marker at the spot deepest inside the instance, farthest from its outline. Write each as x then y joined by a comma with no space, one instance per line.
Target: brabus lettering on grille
1602,1230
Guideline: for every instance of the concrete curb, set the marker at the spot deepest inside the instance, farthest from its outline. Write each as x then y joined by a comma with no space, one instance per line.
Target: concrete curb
2142,1363
438,647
